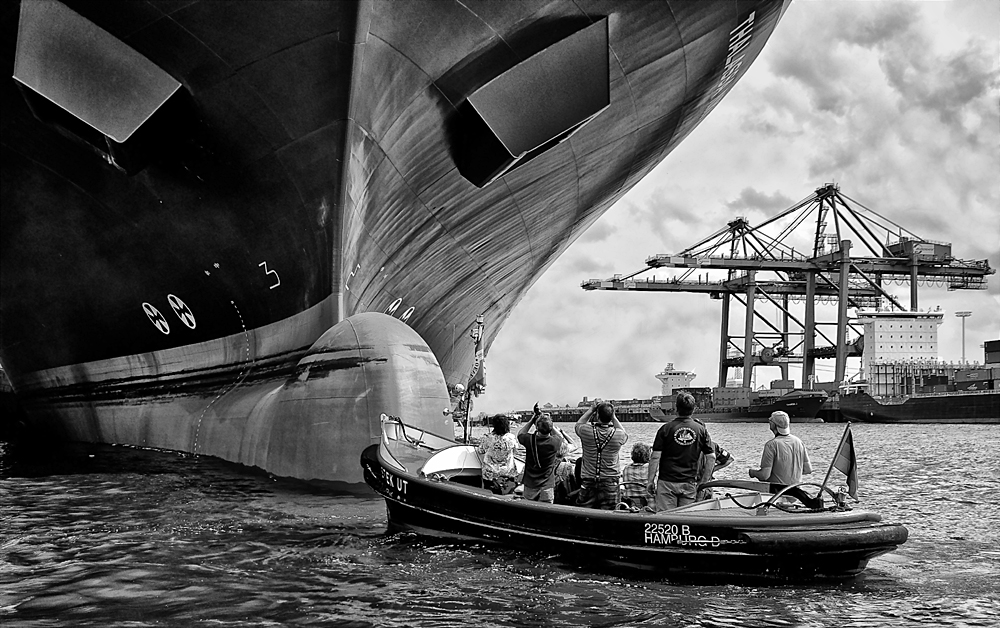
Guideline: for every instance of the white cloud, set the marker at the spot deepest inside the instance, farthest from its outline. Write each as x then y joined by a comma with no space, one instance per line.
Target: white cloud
895,102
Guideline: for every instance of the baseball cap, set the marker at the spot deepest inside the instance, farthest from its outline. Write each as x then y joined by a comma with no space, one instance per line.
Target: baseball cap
780,421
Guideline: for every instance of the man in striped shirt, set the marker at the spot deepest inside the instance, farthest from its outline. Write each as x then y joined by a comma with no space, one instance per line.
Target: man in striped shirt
601,440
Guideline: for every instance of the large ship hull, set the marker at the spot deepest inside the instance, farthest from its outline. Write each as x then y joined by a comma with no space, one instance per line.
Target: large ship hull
970,407
247,229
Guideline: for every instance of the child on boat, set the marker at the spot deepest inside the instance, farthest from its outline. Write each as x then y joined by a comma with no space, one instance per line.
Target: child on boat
634,491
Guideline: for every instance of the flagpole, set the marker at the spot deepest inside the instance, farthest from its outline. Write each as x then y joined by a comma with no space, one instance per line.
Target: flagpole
836,452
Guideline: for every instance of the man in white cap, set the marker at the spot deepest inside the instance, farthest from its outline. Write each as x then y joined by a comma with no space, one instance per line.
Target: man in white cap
785,458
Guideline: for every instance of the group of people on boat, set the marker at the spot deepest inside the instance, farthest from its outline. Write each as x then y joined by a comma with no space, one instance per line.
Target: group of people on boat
664,476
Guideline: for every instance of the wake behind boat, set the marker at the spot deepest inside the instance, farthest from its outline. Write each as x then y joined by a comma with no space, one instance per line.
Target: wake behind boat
433,485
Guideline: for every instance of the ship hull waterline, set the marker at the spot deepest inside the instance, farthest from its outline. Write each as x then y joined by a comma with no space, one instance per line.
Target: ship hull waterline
979,407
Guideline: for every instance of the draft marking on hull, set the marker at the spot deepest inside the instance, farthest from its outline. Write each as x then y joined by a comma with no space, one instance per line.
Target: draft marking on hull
271,272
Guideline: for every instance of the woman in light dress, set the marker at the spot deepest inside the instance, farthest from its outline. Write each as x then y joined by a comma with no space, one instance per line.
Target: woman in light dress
497,449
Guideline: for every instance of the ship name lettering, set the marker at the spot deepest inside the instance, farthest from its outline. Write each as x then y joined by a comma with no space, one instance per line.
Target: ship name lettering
739,39
395,485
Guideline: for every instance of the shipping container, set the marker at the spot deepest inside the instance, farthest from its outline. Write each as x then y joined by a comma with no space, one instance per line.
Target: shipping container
731,393
972,375
974,385
937,388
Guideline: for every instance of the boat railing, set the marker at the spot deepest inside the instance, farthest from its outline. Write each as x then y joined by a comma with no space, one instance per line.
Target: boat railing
777,499
395,432
838,498
394,428
385,446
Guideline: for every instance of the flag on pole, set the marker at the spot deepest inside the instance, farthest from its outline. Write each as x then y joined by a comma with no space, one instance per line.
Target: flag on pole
477,378
846,461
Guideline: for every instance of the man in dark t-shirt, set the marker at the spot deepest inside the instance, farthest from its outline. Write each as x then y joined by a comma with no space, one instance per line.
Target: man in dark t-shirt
541,458
677,450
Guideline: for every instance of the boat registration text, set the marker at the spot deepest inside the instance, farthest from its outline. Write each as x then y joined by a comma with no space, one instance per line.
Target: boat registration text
673,534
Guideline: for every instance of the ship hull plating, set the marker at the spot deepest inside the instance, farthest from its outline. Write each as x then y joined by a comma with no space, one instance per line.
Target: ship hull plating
162,287
981,407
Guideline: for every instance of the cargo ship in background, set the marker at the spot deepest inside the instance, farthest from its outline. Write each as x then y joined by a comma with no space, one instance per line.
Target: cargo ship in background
730,404
735,403
904,382
802,406
247,230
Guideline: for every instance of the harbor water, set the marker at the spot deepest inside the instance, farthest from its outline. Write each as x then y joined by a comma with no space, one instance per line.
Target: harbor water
112,536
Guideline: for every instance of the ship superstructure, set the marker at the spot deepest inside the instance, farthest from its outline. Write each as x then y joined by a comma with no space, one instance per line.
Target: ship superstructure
903,381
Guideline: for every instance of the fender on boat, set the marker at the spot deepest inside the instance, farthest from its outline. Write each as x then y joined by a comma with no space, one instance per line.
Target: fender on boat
789,541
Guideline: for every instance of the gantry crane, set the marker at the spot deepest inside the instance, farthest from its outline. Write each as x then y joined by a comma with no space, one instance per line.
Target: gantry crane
827,269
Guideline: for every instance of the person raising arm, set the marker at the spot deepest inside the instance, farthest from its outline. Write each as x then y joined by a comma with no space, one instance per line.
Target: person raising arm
601,441
542,451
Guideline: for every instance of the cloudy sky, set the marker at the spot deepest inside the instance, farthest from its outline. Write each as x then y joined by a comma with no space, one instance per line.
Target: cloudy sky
896,102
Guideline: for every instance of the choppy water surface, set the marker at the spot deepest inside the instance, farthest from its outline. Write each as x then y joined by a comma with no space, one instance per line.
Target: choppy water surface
99,536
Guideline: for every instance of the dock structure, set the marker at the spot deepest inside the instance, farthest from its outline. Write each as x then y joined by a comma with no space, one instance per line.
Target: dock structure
627,410
746,264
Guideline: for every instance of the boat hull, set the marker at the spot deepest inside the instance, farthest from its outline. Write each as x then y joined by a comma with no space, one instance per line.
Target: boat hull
973,407
159,285
777,546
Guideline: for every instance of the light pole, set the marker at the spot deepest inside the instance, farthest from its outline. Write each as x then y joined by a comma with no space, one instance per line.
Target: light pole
963,316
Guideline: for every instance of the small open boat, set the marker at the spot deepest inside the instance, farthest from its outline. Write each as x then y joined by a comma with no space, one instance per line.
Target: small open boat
433,485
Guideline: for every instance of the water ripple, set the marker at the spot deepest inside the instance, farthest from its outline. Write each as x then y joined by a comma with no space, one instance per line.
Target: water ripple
97,536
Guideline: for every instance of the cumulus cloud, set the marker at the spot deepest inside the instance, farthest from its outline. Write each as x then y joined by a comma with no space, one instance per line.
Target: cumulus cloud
750,198
599,232
894,102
